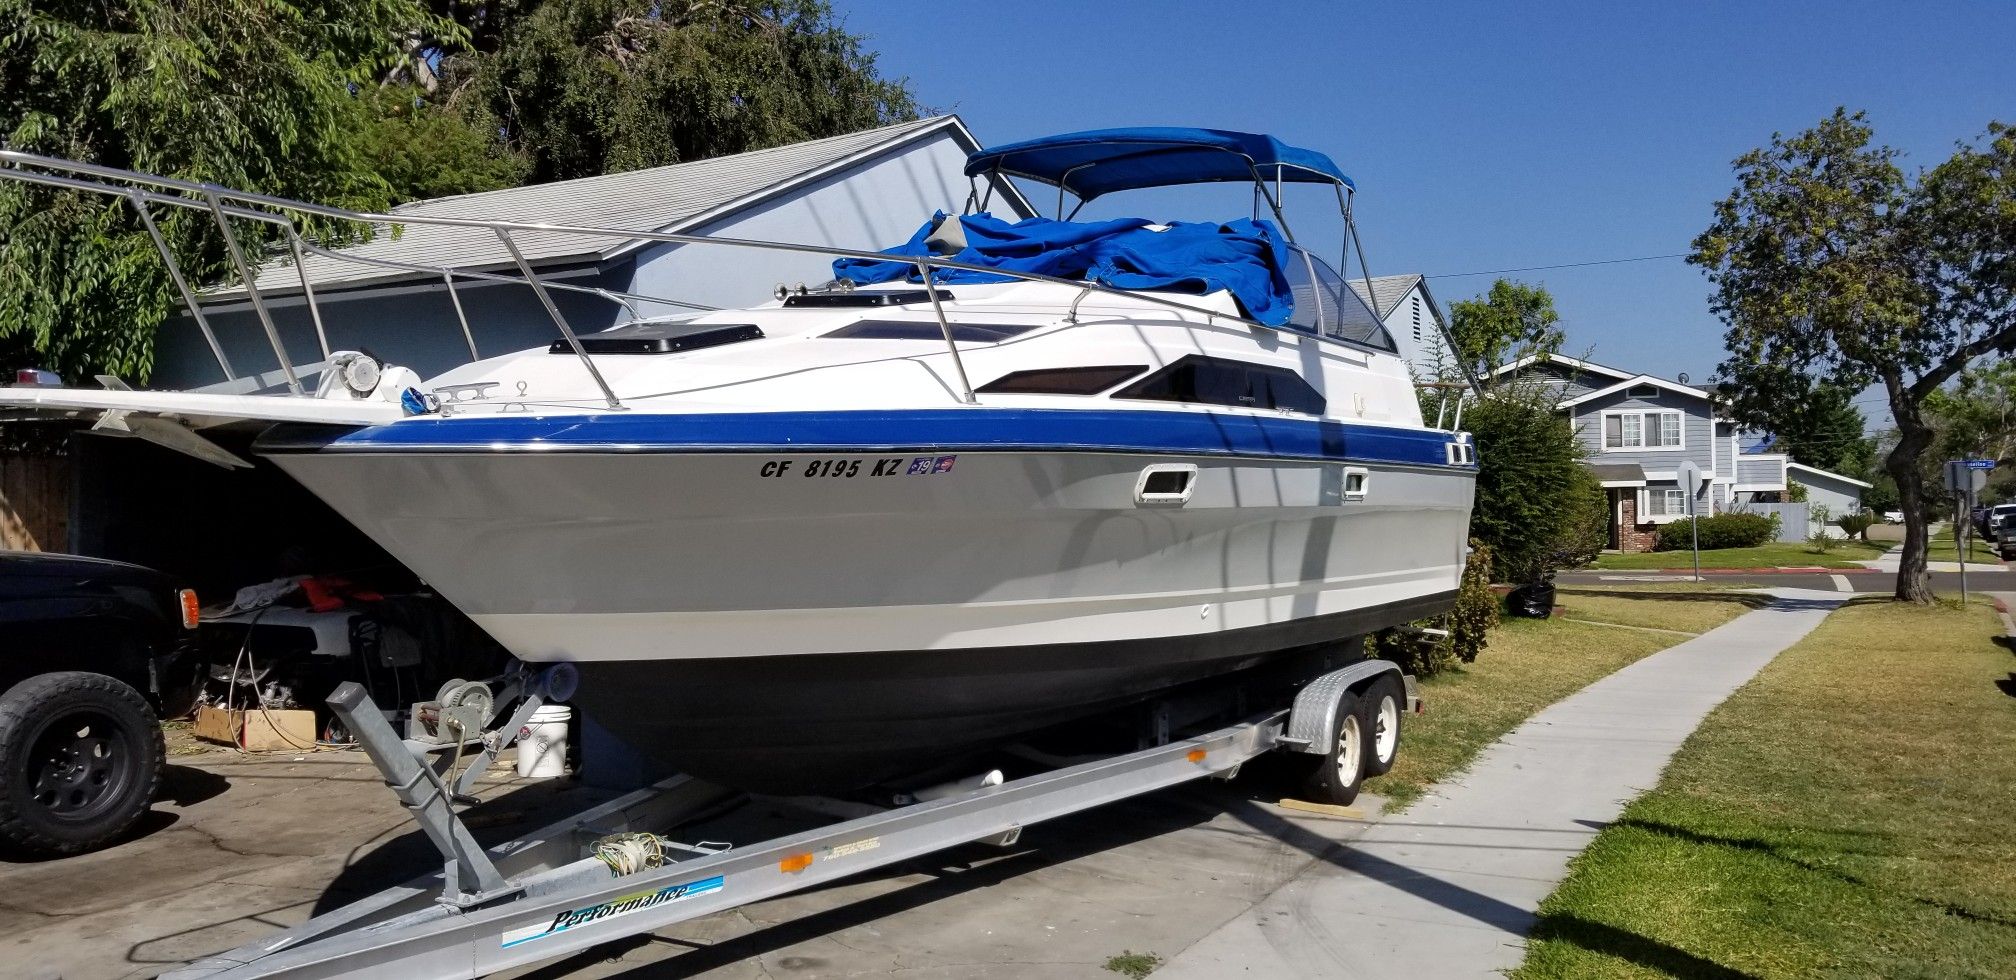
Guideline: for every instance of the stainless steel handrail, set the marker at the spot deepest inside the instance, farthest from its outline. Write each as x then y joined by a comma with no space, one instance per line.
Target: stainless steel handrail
211,197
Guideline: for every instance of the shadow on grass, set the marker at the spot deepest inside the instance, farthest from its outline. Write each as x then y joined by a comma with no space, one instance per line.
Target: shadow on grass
1627,945
1746,599
1773,851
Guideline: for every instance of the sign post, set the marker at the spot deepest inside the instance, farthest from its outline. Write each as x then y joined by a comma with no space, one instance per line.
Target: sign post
1965,478
1690,481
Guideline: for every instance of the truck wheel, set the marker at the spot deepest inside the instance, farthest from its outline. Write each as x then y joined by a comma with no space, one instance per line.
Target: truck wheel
1385,704
80,760
1338,772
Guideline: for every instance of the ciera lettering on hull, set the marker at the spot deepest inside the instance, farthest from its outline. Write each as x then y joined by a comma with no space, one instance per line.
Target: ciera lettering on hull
614,908
848,469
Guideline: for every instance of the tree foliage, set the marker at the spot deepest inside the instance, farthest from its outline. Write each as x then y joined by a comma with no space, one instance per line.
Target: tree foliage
250,95
1511,321
1538,507
1824,429
1831,266
363,104
582,87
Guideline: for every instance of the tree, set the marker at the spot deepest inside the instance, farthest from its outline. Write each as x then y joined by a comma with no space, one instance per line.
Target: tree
583,87
1513,320
254,96
1537,506
422,149
1976,416
1831,266
1825,430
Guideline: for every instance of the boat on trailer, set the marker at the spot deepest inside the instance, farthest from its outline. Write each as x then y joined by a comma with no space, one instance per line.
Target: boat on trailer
1001,477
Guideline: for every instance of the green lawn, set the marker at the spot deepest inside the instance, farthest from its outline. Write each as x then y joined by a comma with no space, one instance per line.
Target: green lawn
1844,554
1943,548
1846,814
1531,664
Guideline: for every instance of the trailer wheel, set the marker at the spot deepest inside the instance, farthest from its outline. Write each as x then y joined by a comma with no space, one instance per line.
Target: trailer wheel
80,760
1339,772
1385,704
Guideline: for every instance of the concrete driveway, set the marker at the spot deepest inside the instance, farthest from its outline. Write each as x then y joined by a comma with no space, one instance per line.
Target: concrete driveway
246,845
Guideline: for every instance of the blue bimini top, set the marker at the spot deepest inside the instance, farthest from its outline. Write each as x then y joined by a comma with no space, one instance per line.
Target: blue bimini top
1101,161
1243,256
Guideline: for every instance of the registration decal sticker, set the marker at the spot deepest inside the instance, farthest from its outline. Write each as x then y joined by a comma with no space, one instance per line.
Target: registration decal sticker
613,908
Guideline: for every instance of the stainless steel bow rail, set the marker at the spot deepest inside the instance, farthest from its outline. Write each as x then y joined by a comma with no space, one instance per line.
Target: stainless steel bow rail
141,190
548,894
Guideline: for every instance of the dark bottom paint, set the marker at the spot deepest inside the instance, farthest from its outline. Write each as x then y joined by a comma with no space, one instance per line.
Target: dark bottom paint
828,723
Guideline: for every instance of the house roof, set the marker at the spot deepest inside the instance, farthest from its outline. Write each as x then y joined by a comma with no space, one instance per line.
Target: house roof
1618,474
1830,474
1633,382
666,199
1387,291
1580,365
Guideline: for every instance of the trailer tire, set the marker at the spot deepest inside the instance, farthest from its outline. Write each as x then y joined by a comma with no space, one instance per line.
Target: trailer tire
80,760
1385,704
1338,773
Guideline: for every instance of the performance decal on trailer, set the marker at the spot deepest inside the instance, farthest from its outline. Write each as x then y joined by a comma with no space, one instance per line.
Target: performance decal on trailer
847,469
612,909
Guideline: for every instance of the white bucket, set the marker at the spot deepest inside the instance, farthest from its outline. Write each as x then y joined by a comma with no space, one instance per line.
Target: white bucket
542,746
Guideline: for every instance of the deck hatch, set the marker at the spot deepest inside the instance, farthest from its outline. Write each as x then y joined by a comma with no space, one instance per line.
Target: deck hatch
661,338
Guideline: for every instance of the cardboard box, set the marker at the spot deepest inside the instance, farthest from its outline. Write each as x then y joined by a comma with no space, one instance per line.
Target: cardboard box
272,730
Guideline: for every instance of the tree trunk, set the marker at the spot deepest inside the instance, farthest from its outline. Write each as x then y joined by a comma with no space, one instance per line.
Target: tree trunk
1914,437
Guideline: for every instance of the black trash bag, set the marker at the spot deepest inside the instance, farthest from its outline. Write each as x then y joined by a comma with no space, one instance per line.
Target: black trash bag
1534,600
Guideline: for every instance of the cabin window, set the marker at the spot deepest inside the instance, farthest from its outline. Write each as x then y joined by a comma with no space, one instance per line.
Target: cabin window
978,333
1642,430
1218,381
1061,381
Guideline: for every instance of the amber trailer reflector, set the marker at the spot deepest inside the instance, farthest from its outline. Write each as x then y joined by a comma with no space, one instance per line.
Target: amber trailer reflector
795,863
1196,755
191,609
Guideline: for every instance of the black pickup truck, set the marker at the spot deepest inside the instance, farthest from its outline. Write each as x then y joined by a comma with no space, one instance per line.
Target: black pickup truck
92,654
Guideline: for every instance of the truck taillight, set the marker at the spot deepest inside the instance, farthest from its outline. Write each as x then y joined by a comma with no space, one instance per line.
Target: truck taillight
191,609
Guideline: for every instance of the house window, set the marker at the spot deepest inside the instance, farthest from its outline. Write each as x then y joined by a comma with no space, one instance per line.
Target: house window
1665,503
1645,391
1641,430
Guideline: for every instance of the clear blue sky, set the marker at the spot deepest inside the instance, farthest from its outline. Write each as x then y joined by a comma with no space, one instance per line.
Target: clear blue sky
1484,136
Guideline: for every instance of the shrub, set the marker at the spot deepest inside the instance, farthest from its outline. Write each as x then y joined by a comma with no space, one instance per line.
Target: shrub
1469,625
1529,475
1820,541
1857,525
1733,530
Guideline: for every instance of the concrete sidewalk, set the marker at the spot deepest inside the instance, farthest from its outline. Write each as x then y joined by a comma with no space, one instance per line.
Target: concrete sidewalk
1449,887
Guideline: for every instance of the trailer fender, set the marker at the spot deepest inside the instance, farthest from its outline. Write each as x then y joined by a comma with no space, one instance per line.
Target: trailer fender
1312,723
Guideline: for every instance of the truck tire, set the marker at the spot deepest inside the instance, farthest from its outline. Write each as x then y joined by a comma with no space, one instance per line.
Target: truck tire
1336,775
1385,704
80,761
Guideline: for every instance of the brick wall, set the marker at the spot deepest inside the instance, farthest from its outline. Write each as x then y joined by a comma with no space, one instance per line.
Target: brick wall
1631,535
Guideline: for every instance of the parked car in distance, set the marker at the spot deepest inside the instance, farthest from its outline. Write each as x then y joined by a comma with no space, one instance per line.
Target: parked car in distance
1893,517
2005,538
1991,522
95,652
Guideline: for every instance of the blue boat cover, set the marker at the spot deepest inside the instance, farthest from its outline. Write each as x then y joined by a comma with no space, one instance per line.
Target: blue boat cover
1102,161
1244,256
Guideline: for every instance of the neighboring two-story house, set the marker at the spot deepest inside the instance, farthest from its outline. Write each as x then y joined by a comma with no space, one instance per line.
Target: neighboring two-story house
1639,428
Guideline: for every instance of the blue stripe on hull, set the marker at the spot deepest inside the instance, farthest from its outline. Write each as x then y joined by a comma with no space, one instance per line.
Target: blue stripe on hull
928,430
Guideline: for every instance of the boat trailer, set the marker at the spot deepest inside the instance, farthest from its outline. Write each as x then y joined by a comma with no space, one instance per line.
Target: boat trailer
607,874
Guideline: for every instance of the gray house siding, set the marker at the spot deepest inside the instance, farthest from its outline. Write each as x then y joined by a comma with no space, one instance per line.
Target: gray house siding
1825,490
1753,469
1695,426
1573,382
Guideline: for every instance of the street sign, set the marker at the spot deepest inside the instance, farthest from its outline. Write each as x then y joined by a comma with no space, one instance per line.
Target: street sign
1962,476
